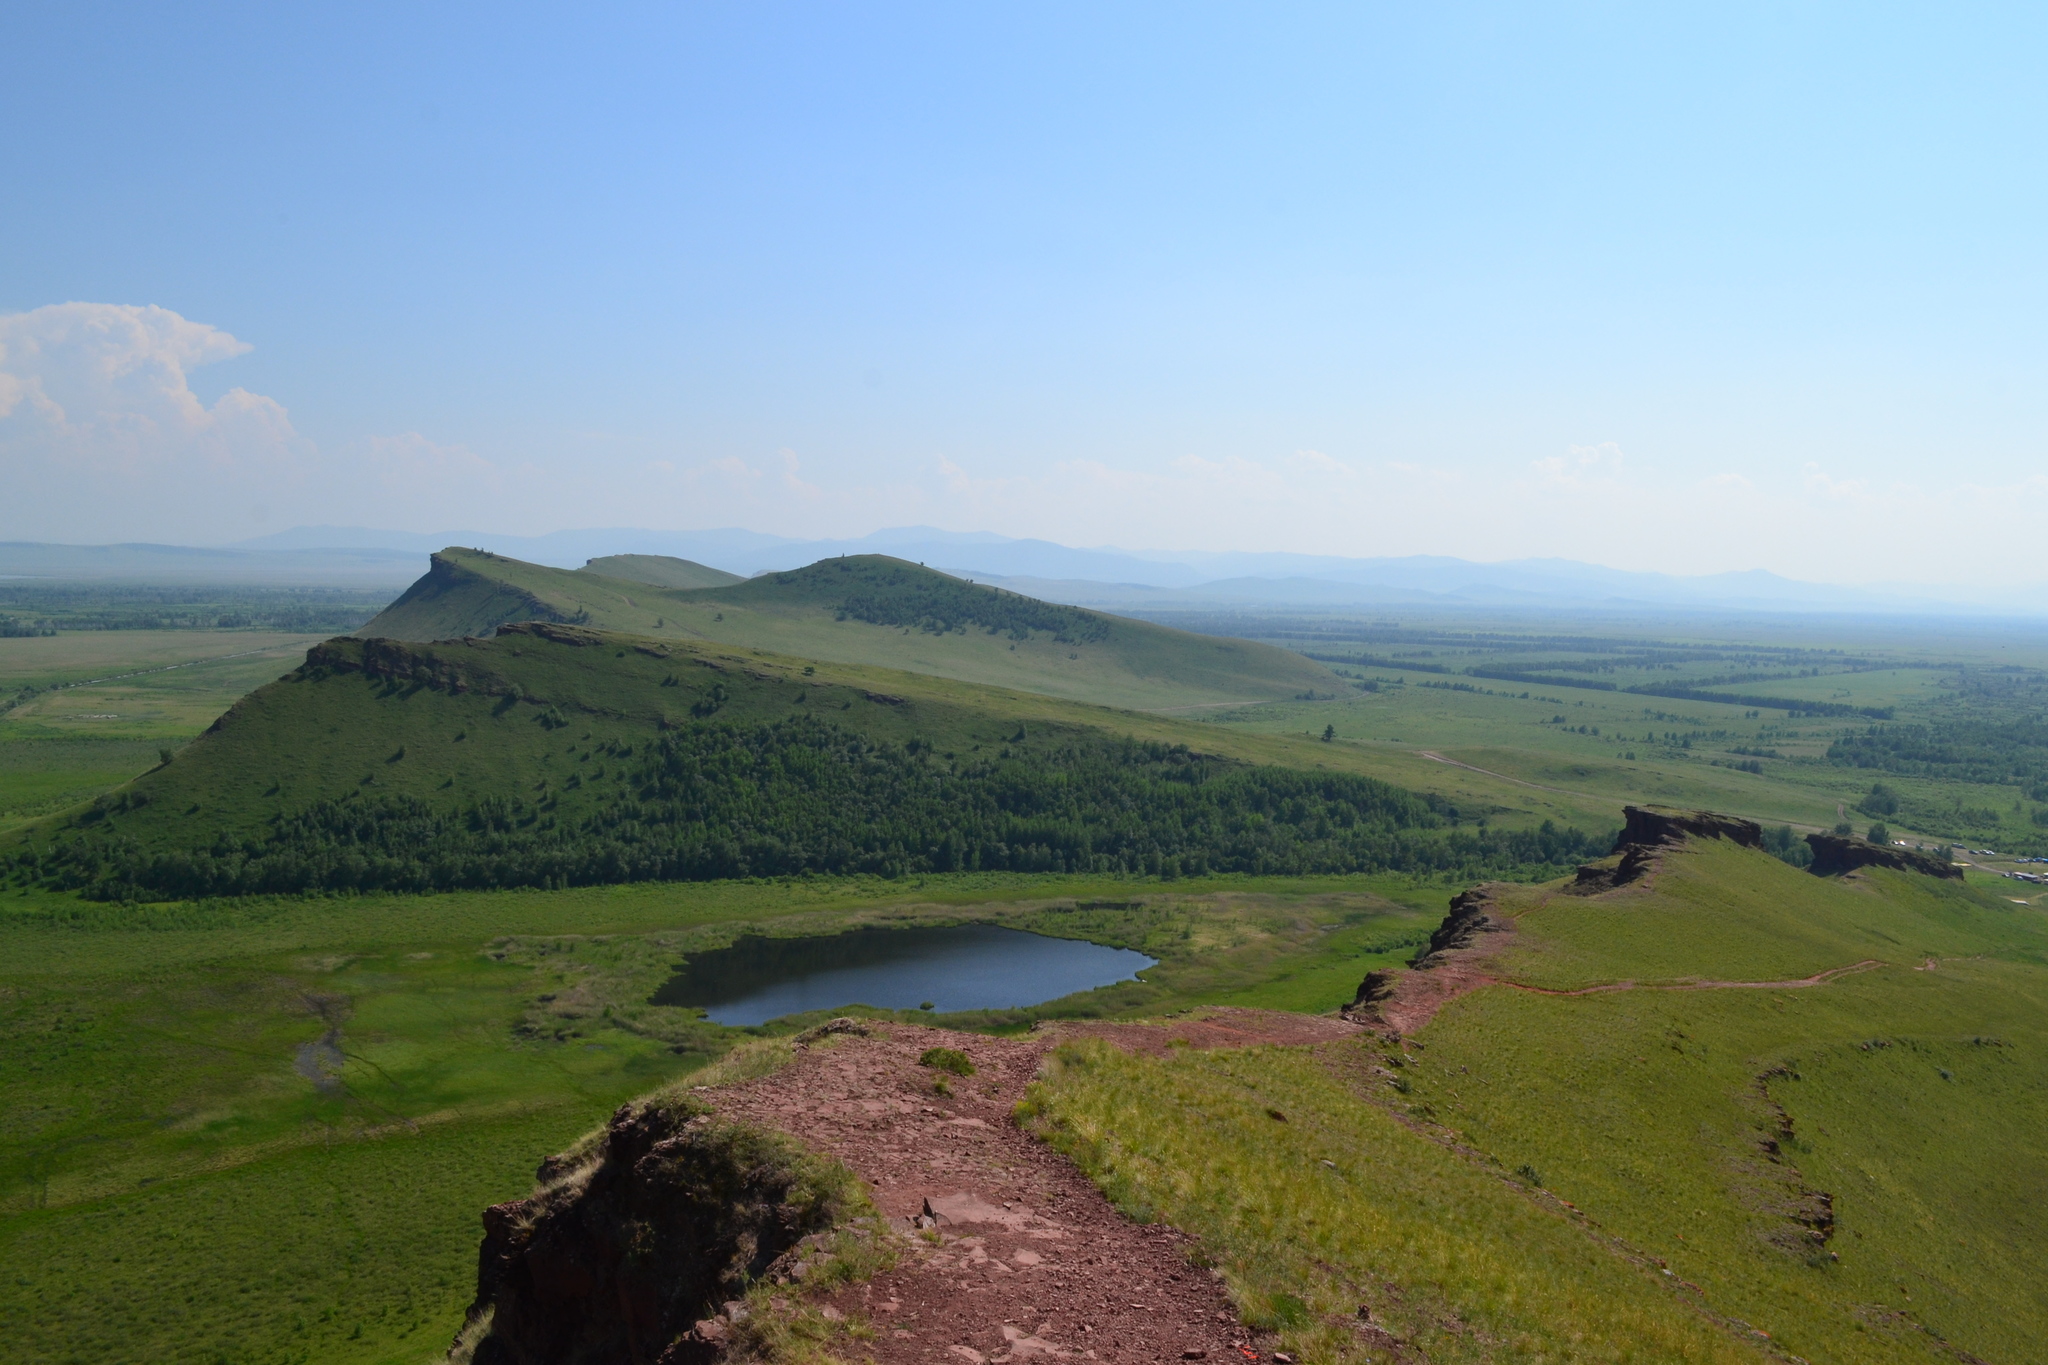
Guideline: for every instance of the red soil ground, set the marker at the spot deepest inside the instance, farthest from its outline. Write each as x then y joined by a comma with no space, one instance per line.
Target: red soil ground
1029,1258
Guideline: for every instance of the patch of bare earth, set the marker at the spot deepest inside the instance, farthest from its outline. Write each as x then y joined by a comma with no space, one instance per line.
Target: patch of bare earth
1009,1252
1418,995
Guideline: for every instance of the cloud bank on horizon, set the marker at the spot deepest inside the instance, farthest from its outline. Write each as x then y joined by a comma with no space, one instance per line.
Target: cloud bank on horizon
104,439
1654,287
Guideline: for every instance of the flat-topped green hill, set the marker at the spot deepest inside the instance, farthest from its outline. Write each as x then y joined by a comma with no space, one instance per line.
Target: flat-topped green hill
556,754
868,609
661,571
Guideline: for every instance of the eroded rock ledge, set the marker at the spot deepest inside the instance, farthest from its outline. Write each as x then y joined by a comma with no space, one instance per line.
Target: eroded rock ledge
1447,967
641,1232
1647,831
1835,853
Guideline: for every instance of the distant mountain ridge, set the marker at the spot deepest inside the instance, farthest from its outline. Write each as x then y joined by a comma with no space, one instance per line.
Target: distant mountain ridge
863,610
1109,577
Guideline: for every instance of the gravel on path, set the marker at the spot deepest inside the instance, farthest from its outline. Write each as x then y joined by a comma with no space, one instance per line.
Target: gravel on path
1010,1252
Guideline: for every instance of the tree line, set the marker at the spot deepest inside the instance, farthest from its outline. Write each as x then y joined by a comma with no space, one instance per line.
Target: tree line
805,796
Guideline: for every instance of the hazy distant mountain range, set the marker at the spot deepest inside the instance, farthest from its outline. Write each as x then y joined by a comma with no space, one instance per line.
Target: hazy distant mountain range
1103,577
1193,579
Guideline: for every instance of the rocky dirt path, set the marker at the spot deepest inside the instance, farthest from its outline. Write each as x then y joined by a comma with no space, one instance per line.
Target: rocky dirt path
1028,1259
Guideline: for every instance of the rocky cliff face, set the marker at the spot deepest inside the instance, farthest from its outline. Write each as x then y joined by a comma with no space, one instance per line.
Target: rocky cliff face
1835,853
1647,831
1436,969
1646,826
639,1234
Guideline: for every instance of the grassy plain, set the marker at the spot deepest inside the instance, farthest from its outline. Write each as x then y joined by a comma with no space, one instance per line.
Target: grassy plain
84,712
1420,685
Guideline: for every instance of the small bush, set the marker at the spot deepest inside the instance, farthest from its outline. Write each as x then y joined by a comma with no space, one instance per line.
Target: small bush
947,1059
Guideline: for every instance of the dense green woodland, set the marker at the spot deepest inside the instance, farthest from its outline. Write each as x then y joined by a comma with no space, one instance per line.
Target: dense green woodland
1967,749
897,595
804,795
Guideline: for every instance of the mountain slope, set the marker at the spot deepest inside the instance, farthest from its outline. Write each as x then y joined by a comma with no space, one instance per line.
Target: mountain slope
556,754
1805,1113
661,571
869,609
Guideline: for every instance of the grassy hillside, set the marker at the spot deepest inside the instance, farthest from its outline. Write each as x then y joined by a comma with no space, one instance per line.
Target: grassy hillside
1687,1164
558,755
869,609
661,571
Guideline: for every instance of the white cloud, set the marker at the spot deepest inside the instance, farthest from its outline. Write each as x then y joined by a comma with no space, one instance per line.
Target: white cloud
1582,464
101,433
104,385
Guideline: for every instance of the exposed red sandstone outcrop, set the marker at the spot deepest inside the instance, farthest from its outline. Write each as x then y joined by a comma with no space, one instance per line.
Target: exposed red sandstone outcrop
628,1242
1836,853
1648,830
1004,1250
1452,964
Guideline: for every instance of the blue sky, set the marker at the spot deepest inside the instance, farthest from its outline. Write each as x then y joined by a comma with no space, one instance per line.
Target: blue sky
1679,288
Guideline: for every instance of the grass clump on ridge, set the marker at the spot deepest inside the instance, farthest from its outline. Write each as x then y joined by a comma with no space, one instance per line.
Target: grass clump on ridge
949,1059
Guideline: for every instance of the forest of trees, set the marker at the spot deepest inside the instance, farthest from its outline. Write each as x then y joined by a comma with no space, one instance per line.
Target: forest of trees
803,796
938,604
1967,749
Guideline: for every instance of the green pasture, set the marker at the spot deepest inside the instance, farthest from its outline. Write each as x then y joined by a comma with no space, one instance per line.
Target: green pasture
72,657
1533,762
72,738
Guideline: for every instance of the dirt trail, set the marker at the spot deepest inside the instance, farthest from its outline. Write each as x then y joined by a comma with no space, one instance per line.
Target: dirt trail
1030,1258
1518,781
1418,995
1817,979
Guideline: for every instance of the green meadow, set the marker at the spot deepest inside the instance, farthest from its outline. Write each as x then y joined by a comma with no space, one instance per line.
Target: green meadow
1959,707
84,712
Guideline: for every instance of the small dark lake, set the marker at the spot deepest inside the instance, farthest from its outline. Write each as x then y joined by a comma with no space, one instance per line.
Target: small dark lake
958,967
